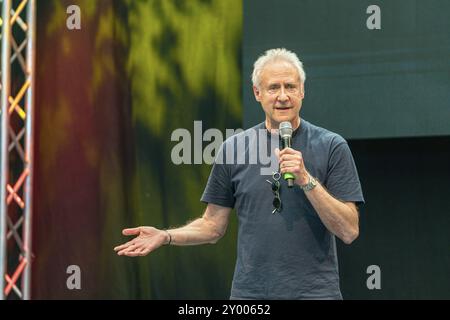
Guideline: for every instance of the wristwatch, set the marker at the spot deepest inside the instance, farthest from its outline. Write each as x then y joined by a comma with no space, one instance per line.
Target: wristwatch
310,185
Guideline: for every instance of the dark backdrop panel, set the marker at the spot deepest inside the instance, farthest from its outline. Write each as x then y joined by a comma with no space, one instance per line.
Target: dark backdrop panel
393,82
405,222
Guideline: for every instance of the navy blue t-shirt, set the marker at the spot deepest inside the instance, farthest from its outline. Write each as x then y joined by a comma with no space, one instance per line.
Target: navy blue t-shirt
290,254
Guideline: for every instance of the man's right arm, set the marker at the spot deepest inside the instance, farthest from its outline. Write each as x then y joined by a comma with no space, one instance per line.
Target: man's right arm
207,229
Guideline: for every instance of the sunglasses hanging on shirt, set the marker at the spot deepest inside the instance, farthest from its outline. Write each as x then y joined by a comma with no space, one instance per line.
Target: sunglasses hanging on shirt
275,184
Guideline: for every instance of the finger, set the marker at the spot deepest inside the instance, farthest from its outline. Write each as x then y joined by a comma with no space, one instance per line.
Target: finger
128,249
125,245
129,254
125,252
290,164
285,151
287,157
121,247
134,253
295,172
289,167
131,231
288,151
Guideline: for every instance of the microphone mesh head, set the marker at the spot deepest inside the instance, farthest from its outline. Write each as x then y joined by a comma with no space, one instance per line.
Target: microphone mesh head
285,129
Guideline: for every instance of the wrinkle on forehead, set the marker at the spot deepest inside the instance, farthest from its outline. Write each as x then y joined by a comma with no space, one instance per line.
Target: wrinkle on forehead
279,71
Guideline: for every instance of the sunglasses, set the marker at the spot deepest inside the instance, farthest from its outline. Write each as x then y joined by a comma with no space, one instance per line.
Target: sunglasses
276,192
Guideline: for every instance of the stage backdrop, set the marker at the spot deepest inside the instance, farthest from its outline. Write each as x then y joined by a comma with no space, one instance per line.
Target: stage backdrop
108,98
110,95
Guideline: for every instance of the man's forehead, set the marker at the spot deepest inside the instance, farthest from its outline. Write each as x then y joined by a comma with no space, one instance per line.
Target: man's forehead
279,71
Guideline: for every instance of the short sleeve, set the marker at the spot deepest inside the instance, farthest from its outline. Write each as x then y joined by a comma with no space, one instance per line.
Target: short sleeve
219,189
342,177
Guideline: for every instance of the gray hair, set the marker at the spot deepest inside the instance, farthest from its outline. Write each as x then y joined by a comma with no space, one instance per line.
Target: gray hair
272,55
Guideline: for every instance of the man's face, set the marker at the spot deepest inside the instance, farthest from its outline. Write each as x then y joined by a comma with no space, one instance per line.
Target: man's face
280,92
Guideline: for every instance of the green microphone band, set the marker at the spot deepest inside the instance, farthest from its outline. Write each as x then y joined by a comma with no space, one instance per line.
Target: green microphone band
288,175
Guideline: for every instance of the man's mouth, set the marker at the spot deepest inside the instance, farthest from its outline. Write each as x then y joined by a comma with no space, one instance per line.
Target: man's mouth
283,108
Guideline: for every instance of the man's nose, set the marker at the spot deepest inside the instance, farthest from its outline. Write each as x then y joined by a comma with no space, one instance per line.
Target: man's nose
283,97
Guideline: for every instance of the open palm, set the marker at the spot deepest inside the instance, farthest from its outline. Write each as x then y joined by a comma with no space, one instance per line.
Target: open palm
147,239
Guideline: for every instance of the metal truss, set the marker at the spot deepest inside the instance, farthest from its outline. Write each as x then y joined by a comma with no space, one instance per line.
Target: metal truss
16,146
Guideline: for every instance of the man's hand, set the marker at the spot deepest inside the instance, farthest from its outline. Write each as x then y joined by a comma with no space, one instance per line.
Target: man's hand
292,161
147,240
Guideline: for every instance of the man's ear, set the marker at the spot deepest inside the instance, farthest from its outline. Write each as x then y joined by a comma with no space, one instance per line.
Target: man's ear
302,90
257,93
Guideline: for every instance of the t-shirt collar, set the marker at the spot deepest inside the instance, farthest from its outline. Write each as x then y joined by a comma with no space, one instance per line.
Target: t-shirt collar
294,133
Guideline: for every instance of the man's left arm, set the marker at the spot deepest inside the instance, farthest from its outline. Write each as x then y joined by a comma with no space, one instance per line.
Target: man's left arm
340,218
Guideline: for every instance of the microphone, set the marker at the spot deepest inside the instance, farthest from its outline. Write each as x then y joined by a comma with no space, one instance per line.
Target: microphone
285,131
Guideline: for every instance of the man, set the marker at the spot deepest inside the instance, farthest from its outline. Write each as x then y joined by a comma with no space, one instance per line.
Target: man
286,252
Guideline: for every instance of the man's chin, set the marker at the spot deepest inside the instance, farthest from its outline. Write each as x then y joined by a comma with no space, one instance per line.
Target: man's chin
283,118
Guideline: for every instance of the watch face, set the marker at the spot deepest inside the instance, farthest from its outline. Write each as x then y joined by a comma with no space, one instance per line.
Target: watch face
310,185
